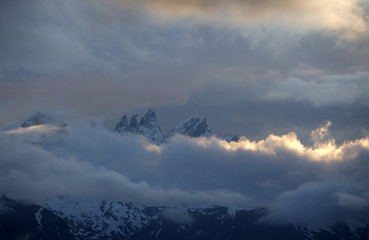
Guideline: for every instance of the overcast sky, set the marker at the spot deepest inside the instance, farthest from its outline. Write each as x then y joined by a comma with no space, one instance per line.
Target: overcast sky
252,68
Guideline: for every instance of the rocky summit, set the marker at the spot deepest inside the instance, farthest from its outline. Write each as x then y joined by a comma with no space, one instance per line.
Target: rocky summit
37,119
146,125
193,127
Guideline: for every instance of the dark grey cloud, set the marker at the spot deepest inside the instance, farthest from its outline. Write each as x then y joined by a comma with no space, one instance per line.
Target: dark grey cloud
36,174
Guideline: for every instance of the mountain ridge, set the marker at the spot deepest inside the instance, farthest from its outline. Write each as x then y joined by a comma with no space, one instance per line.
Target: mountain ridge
148,126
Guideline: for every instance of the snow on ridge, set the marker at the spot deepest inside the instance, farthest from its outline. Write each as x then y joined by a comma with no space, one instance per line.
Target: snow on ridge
103,217
93,219
193,127
38,216
148,126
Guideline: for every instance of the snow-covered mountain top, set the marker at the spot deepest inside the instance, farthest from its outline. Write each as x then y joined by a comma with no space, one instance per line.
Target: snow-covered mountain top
146,125
193,127
37,119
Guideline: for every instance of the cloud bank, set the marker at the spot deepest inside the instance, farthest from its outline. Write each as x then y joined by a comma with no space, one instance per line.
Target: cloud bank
84,162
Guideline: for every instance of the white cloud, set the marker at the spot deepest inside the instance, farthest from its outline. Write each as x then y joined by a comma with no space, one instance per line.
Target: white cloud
177,215
325,90
352,202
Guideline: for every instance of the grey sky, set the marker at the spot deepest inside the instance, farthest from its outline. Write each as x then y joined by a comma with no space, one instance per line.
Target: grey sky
106,58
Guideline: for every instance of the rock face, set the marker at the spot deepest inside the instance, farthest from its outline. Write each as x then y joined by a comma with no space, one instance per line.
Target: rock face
147,125
193,127
64,218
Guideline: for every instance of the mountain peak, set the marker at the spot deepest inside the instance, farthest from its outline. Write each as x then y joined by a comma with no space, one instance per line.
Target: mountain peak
150,112
193,127
37,119
147,125
149,119
122,125
40,118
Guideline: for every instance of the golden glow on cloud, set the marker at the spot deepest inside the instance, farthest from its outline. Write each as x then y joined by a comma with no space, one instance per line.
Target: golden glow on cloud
341,15
43,128
289,143
153,148
274,145
324,148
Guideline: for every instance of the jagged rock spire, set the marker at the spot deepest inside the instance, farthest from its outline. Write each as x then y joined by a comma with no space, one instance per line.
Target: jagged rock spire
193,127
147,125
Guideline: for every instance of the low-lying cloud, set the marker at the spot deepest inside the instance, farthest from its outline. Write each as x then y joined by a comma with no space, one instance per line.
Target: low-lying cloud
279,172
177,215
